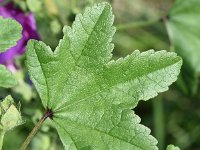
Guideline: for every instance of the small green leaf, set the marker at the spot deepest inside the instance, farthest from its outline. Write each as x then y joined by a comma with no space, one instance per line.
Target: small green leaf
92,96
7,79
5,104
10,117
172,147
9,114
10,33
184,30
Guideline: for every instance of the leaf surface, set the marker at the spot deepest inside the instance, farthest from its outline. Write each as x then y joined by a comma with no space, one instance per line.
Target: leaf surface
7,79
10,33
92,96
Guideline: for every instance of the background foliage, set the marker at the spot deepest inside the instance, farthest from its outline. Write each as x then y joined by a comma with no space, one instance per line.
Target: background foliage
165,24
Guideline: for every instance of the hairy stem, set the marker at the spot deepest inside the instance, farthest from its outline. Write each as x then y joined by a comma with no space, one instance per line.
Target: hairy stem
36,128
136,24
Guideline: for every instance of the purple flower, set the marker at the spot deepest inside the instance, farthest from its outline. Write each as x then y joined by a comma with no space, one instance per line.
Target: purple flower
29,32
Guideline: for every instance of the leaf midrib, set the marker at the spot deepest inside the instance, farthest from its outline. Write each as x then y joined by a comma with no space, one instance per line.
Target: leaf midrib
59,109
45,77
86,43
89,35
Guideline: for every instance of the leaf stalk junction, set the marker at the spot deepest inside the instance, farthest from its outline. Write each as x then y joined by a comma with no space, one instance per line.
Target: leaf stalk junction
48,114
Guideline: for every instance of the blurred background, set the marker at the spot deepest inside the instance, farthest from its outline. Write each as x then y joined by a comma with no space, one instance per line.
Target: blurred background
173,25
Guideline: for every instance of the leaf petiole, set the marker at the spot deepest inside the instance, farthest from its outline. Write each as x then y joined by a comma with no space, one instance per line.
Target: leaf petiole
48,114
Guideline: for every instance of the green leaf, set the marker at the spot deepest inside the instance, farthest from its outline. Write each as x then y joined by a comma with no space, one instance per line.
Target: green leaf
10,117
10,114
184,30
172,147
10,33
91,97
7,79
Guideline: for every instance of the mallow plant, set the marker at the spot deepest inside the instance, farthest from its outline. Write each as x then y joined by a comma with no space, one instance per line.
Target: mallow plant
89,97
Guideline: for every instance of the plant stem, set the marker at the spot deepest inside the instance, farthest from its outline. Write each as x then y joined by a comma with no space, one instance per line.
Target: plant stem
1,138
36,128
136,24
159,128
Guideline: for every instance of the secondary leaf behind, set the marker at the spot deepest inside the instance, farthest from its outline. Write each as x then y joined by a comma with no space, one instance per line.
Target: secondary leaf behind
184,31
7,79
10,33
